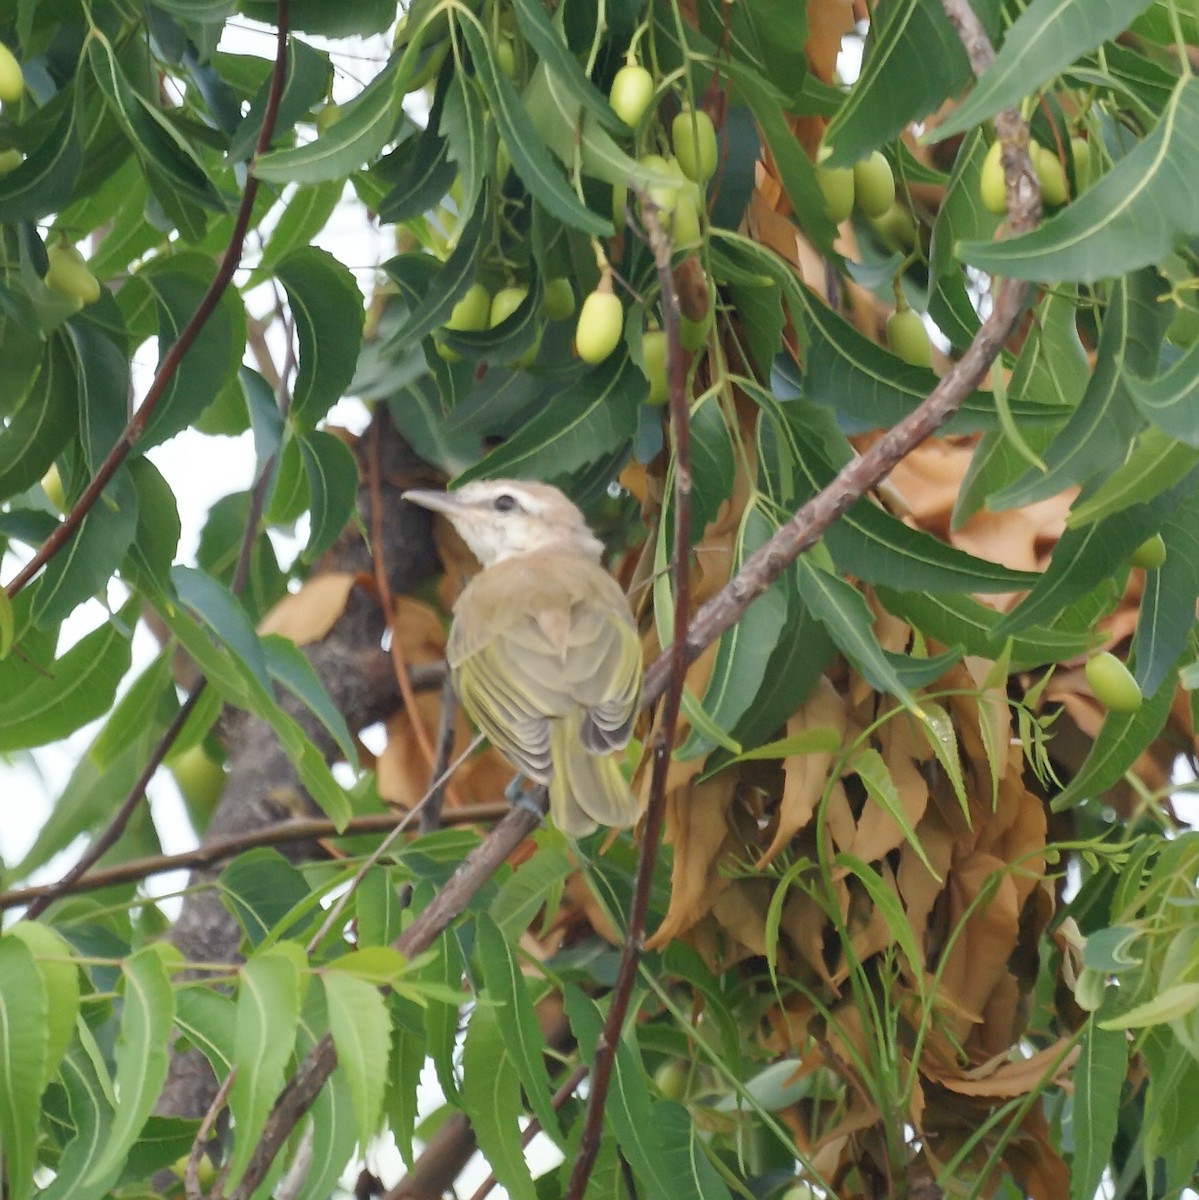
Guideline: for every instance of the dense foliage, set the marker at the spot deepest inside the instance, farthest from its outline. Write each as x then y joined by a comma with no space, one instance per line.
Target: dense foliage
922,920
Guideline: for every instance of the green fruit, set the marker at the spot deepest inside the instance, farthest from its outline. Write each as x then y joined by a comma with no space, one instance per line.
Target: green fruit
473,311
1051,173
907,336
505,302
632,91
693,335
1080,151
671,1080
685,229
874,185
694,139
10,160
52,486
601,324
799,1191
837,186
329,115
201,780
505,57
664,196
558,300
895,228
653,354
1150,554
991,188
68,275
12,82
1113,684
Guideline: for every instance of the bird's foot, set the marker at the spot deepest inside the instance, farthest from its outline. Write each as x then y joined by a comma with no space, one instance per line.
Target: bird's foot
518,797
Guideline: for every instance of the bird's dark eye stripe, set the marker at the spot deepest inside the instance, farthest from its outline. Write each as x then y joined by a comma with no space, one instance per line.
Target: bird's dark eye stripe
505,503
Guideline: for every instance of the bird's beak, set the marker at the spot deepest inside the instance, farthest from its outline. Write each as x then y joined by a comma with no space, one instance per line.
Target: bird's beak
442,502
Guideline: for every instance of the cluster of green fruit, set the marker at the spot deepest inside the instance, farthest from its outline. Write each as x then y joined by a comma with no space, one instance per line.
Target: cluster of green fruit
678,208
869,183
1051,174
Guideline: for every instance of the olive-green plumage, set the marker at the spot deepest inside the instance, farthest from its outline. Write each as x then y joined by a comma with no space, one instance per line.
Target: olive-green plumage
543,651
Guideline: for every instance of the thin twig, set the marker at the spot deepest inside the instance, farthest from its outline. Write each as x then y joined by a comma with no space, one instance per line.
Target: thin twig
667,722
191,1172
430,816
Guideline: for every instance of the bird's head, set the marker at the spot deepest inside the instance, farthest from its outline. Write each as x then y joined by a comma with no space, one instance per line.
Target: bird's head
501,518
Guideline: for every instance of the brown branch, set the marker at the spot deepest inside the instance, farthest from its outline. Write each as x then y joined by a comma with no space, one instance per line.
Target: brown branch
667,723
300,829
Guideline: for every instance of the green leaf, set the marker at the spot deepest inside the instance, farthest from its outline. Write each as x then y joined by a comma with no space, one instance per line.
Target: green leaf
1170,401
407,1061
77,688
915,60
309,74
491,1099
1099,431
847,619
367,123
42,422
1174,1002
332,473
530,888
871,388
959,620
517,1024
268,1012
744,654
361,1033
23,1043
329,315
660,1140
90,1099
539,173
261,887
288,667
60,976
1138,212
148,563
147,1014
1121,740
1167,611
306,213
207,1019
597,417
332,1115
1043,41
1098,1085
45,181
871,768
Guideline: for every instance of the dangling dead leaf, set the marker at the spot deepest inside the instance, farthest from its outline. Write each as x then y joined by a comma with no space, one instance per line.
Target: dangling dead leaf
305,616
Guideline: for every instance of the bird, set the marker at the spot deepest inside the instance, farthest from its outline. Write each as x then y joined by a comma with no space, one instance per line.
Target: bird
543,651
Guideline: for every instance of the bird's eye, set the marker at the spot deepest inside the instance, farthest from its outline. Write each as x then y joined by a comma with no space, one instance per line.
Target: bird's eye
505,503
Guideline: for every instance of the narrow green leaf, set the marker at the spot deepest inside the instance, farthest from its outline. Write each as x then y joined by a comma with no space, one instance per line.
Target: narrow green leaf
872,770
491,1099
77,688
1042,42
207,1019
362,1036
23,1044
261,887
147,1014
329,315
268,1011
334,1135
60,975
1156,462
44,182
529,889
309,74
407,1061
42,423
1098,433
288,667
304,216
102,385
147,565
332,473
532,163
1098,1085
90,1099
517,1023
1138,212
1170,401
1178,1000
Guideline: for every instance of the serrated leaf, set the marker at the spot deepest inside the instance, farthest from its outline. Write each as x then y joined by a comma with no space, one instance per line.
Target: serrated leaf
268,1011
329,315
91,1109
915,60
207,1019
307,77
1099,1084
361,1033
1133,216
1099,431
517,1025
1170,401
532,163
77,688
593,419
23,1043
1045,39
491,1099
1175,1001
407,1061
60,976
333,1129
141,1052
261,887
332,473
45,181
306,213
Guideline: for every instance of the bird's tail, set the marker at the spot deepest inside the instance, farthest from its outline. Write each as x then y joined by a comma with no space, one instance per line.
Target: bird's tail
586,789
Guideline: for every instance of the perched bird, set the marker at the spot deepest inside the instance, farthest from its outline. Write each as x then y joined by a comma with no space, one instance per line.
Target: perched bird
543,651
